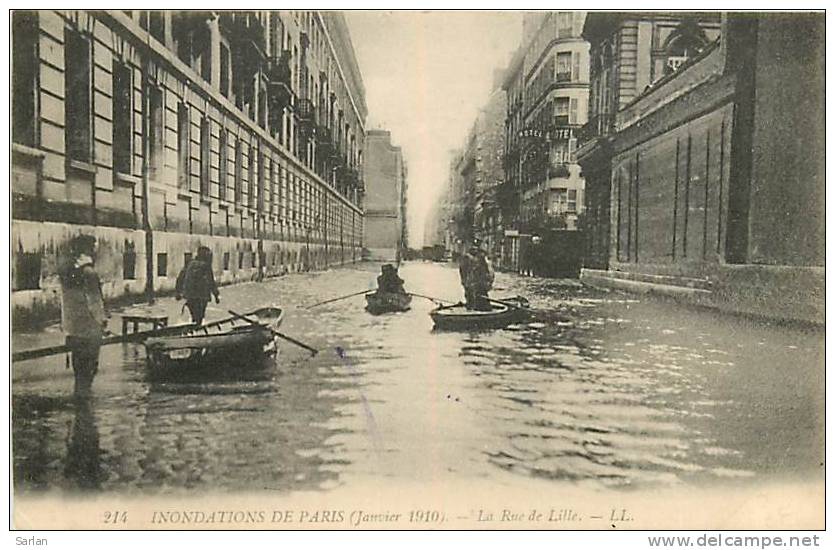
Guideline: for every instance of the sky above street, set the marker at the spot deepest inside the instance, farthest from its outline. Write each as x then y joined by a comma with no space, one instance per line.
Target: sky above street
426,76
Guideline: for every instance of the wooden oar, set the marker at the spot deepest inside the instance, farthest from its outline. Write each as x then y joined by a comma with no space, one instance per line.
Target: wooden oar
340,298
508,304
64,348
251,321
430,298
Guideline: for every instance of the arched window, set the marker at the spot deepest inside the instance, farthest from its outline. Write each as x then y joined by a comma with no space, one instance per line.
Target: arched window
685,42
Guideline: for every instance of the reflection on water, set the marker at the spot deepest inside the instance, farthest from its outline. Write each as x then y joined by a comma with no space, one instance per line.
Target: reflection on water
597,389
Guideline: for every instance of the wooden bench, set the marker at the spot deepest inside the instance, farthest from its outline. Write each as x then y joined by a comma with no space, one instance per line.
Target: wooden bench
156,321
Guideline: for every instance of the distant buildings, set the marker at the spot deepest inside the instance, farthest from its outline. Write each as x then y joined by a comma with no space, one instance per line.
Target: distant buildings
704,158
160,131
385,198
469,206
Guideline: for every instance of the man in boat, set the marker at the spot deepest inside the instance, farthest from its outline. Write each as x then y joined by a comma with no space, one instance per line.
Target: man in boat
196,283
389,281
83,317
476,277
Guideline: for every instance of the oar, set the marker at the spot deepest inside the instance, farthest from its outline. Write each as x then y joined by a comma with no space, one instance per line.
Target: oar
430,298
508,304
119,339
340,298
251,321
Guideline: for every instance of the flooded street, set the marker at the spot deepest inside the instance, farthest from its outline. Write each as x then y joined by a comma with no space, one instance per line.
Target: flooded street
597,389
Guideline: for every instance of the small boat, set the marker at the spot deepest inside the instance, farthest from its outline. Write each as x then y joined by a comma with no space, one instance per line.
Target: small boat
387,302
221,346
458,317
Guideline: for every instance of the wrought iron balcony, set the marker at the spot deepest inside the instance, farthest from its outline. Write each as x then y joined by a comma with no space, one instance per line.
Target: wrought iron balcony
323,136
247,37
279,87
559,170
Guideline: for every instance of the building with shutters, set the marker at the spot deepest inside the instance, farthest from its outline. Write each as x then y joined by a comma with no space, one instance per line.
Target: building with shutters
159,132
547,87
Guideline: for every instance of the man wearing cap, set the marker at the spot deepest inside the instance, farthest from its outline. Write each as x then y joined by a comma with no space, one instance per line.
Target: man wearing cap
476,277
83,318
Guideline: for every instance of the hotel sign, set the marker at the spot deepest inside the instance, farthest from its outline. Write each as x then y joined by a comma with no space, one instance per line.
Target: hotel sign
554,134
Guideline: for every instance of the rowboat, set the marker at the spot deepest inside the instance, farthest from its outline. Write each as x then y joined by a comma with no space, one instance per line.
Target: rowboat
232,343
458,317
387,302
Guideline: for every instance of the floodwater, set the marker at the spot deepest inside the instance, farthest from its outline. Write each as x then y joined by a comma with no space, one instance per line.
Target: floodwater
597,389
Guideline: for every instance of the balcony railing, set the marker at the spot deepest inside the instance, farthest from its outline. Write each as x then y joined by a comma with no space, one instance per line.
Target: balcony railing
324,139
245,29
559,170
278,79
598,126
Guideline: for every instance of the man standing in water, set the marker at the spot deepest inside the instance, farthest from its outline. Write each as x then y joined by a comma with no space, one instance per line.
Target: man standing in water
476,277
196,283
82,311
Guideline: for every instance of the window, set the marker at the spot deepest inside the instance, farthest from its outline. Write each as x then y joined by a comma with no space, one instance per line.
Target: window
205,153
129,263
251,175
687,40
559,201
186,258
563,66
27,271
79,119
183,144
157,25
224,70
156,134
25,77
122,117
162,264
223,170
240,260
561,109
572,200
262,199
225,261
239,163
262,106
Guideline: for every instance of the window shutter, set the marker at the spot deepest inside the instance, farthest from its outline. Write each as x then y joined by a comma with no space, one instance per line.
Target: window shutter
572,115
576,74
572,150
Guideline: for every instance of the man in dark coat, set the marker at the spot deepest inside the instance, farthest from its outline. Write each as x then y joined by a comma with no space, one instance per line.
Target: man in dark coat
389,281
196,283
476,277
83,318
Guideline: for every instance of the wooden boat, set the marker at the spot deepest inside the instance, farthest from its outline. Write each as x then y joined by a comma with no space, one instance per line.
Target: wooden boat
220,346
387,302
458,317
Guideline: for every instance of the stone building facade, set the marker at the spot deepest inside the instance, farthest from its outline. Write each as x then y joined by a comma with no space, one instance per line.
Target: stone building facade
547,86
701,182
385,198
160,131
